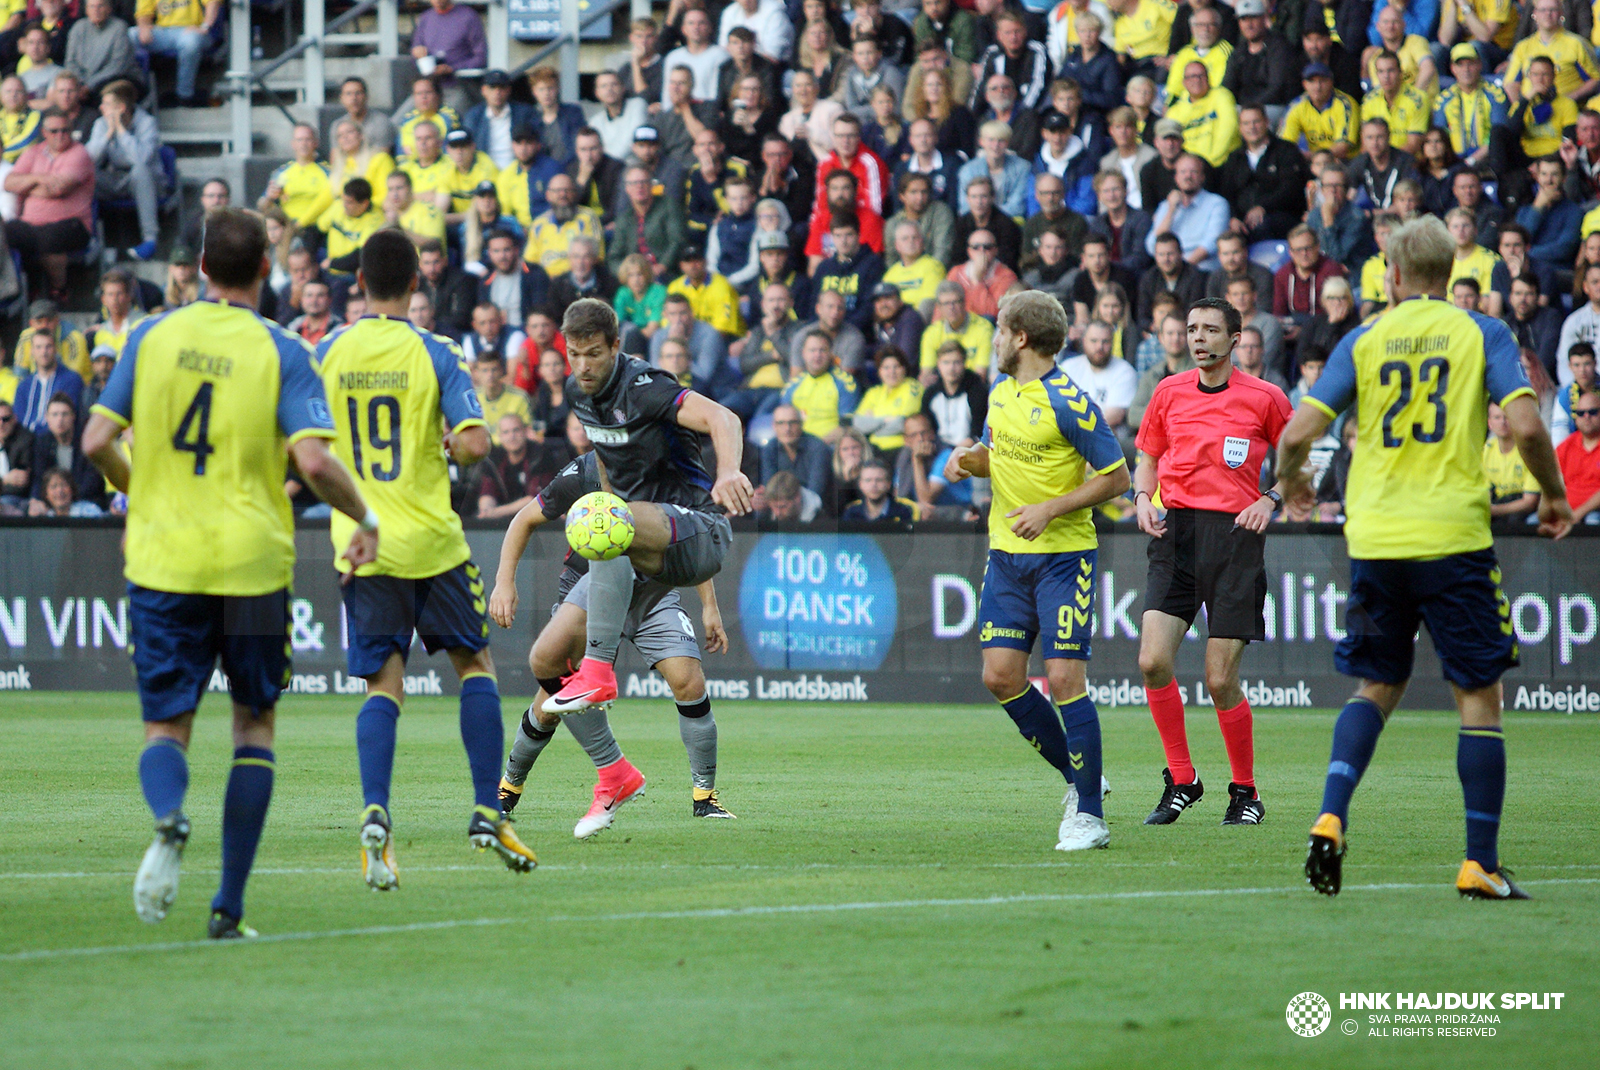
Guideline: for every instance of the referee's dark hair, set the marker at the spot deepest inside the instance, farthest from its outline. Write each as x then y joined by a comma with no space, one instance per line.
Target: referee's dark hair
235,245
1230,315
388,264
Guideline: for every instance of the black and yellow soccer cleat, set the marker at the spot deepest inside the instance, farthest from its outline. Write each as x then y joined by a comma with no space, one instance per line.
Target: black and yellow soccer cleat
1475,882
706,804
1175,799
491,830
223,927
1325,854
510,795
378,867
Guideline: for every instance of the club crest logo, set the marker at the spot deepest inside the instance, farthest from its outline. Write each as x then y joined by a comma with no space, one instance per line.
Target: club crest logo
1308,1014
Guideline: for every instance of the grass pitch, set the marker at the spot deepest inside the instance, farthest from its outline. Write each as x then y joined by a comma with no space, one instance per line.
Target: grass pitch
888,897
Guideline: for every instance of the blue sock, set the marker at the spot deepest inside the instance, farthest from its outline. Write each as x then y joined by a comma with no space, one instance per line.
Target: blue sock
1355,737
375,732
484,736
244,812
164,776
1036,720
1082,722
1481,765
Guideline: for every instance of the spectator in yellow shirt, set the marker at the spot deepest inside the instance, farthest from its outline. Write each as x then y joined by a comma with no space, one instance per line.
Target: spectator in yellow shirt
419,219
348,224
1208,114
72,351
468,167
553,230
1513,492
301,187
429,169
711,296
354,157
180,28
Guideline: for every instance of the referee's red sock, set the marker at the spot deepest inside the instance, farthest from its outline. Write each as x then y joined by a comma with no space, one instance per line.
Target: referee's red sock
1166,707
1238,734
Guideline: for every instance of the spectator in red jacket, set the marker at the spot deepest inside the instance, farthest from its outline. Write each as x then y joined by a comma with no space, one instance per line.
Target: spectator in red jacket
1297,287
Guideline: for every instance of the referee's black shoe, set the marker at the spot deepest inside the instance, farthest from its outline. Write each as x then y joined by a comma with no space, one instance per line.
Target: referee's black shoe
1175,799
1244,806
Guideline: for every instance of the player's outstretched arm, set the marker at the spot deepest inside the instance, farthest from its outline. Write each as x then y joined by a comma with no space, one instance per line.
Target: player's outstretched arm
333,483
967,461
100,446
1294,449
732,489
1144,492
1029,521
711,618
503,600
1533,443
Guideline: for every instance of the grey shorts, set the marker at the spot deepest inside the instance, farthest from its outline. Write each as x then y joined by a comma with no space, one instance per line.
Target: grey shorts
657,626
699,543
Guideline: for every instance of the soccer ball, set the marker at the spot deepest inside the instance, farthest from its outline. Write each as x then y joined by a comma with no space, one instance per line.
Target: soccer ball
600,526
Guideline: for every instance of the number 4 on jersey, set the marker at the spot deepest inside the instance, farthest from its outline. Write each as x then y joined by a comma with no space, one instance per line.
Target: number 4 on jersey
196,422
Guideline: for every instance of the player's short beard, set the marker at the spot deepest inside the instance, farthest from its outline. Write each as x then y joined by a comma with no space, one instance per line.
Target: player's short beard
1007,359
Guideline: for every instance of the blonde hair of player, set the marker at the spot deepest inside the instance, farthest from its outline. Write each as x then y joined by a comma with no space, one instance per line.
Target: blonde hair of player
1421,257
1040,317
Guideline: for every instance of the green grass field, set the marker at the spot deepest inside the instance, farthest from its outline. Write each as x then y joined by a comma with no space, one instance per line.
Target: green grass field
888,897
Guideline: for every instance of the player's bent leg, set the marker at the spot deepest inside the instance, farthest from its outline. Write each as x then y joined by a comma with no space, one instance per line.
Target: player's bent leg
697,727
164,778
1085,828
1160,636
1238,733
1355,737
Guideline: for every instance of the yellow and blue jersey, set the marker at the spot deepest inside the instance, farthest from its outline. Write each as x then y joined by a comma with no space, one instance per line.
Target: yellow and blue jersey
215,394
424,219
1468,117
1412,51
1543,126
428,179
1215,60
714,301
171,12
548,241
461,183
72,350
1406,116
1210,124
445,119
345,233
1045,439
1372,273
902,401
1482,267
1422,376
377,174
17,132
394,389
977,338
822,399
307,191
513,186
1572,55
1313,128
1145,33
918,281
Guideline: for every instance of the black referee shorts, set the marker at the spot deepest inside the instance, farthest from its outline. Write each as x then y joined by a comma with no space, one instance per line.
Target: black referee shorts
1204,560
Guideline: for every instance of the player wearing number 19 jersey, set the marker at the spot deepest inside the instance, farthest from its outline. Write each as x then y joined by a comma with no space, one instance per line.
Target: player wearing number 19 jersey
1421,377
394,391
1051,459
218,398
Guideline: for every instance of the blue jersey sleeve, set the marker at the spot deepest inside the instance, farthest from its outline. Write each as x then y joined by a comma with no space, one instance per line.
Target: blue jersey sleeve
1503,375
457,399
116,400
1082,424
302,404
1336,388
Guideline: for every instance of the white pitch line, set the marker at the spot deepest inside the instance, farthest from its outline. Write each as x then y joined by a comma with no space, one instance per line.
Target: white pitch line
717,912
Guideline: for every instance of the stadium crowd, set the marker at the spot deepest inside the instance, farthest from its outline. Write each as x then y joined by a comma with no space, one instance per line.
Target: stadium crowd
810,214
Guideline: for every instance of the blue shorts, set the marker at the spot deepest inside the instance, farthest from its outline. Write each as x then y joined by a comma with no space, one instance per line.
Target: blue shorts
1022,590
177,639
1458,597
448,612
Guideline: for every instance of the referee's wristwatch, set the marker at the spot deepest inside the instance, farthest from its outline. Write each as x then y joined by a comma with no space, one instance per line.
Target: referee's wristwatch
1275,498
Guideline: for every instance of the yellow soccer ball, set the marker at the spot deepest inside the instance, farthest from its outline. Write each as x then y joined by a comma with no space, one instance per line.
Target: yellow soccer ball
600,526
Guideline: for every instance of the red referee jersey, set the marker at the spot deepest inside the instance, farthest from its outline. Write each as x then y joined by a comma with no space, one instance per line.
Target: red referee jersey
1209,443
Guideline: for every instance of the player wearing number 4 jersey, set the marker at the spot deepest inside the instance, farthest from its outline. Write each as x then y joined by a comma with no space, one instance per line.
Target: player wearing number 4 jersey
218,398
1051,459
1422,377
394,390
1202,442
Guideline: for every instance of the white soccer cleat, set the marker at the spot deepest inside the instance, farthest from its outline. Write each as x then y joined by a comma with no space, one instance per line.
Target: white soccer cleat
155,888
1070,801
377,852
1083,832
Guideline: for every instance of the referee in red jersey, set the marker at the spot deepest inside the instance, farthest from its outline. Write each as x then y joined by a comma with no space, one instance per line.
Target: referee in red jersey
1202,441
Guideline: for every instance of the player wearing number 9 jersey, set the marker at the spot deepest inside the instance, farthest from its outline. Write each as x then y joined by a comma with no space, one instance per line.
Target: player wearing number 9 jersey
1051,459
395,391
1421,377
218,399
